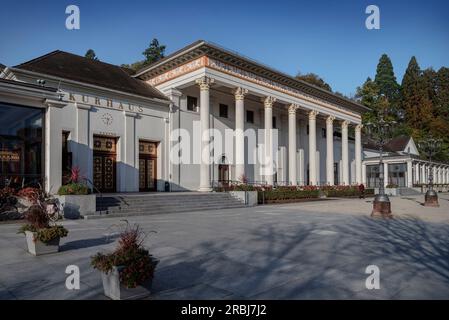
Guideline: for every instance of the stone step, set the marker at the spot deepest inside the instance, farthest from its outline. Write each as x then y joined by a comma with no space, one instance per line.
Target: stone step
123,213
162,203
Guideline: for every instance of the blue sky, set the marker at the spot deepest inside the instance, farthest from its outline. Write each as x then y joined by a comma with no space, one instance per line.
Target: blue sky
325,37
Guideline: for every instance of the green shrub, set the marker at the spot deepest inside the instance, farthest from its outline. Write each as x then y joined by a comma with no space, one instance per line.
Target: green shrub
45,235
74,188
285,194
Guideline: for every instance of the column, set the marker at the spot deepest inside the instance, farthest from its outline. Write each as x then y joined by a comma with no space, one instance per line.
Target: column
292,144
345,151
204,84
239,94
434,172
269,169
53,146
409,174
364,174
423,173
330,150
417,173
358,154
312,147
129,181
386,182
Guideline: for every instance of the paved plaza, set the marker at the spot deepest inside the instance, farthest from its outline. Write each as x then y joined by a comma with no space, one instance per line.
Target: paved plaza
313,250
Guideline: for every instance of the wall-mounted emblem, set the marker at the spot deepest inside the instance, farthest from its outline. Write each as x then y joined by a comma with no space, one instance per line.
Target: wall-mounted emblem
107,119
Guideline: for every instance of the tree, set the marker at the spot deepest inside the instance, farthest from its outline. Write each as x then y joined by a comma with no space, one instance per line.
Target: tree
386,80
314,79
154,52
90,54
415,101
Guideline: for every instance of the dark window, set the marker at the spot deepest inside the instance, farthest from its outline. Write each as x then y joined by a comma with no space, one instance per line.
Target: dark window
307,129
274,122
66,158
249,116
223,110
21,145
323,132
192,103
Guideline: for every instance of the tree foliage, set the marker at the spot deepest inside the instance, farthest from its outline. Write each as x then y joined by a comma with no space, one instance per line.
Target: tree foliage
90,54
423,98
314,79
152,54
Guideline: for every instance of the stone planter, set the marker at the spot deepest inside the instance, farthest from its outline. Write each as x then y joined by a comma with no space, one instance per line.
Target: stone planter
248,197
389,191
116,291
37,247
76,206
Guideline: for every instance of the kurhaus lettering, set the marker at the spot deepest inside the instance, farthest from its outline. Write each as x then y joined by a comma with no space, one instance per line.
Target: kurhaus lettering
104,102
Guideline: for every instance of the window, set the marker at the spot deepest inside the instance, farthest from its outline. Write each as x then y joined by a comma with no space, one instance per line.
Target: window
21,146
223,110
66,158
192,103
307,129
323,132
274,122
249,116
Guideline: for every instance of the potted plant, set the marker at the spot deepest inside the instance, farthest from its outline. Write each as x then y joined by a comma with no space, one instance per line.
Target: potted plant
127,272
41,237
76,196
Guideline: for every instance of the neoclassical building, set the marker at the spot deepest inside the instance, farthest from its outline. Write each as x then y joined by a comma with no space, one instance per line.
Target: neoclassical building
119,127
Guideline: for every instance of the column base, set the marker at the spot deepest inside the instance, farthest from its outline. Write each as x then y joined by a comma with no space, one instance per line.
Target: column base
431,199
381,209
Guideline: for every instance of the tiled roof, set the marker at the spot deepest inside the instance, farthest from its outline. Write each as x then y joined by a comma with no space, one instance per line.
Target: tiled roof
73,67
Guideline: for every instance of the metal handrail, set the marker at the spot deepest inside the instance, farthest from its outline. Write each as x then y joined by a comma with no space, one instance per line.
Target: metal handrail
96,189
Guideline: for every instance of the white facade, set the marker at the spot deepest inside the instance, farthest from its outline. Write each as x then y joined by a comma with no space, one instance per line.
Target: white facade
308,151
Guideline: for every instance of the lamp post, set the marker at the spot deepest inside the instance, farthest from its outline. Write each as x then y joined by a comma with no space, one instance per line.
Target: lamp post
380,132
428,147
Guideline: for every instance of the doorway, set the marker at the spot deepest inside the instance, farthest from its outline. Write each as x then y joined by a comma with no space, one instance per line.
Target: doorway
147,166
104,164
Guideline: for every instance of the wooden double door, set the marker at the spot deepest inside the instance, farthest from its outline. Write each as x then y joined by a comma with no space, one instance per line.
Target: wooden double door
147,166
104,166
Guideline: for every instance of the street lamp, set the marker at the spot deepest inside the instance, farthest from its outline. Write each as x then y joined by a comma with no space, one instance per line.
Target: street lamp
380,132
428,147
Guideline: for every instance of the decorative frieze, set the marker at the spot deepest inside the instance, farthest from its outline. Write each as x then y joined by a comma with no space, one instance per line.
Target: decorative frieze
179,71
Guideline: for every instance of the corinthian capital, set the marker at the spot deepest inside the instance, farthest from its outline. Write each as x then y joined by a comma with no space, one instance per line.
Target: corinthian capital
240,93
268,101
205,82
330,120
292,108
313,114
345,124
358,127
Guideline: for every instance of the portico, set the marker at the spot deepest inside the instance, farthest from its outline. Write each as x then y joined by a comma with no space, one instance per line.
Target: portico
299,142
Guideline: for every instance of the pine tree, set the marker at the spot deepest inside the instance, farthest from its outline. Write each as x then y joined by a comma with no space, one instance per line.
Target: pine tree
90,54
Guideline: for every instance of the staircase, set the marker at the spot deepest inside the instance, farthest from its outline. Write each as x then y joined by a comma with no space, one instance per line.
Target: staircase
121,205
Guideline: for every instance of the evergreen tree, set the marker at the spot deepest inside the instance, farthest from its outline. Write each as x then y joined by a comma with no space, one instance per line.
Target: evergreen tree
386,80
90,54
154,52
415,100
